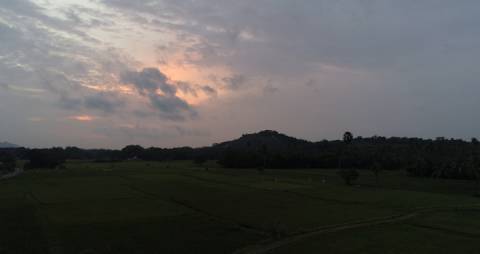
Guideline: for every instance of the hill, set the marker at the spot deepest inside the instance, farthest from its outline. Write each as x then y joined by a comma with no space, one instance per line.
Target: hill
8,145
267,139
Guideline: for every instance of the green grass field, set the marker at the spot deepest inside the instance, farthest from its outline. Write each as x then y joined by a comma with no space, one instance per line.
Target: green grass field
177,207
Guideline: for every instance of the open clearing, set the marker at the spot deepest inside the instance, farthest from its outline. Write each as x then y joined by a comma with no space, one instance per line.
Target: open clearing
150,207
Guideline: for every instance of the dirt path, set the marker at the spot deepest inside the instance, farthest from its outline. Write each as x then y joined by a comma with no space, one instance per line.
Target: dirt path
272,245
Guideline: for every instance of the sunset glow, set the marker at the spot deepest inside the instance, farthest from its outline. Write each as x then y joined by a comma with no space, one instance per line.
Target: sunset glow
239,126
83,118
308,68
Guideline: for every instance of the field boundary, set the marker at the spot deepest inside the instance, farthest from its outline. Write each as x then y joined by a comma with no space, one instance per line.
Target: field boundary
445,230
269,245
197,210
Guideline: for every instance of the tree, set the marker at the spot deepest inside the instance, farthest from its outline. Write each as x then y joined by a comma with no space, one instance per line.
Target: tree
45,158
348,175
7,162
264,151
132,152
379,161
347,137
472,166
475,141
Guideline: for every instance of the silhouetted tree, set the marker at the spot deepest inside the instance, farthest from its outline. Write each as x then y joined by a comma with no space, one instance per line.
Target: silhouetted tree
45,158
472,166
264,151
442,157
132,152
474,141
8,162
347,137
349,175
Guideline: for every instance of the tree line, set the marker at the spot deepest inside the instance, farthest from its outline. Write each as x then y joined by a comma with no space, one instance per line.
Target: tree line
440,157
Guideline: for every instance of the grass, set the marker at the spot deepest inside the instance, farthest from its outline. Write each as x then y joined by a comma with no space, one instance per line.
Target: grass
178,207
392,239
445,232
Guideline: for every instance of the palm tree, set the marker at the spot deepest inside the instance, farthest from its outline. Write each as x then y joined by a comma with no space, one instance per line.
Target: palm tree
349,175
347,137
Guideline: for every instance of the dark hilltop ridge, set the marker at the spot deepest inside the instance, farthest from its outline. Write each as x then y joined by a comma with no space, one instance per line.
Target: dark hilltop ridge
269,138
8,145
440,157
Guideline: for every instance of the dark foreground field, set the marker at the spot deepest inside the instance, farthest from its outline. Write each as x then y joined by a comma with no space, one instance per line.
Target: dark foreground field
147,207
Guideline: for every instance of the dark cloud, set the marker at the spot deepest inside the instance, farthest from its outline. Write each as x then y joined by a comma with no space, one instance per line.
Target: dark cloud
105,102
193,90
209,90
149,82
172,107
187,88
70,103
234,82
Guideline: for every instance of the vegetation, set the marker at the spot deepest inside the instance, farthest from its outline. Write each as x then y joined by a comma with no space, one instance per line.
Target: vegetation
7,162
177,207
45,158
439,158
237,195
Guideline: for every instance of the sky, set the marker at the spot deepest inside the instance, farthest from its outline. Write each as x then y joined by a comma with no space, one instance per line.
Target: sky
167,73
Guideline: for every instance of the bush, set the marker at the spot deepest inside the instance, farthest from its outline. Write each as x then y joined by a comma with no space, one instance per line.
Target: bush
7,162
45,158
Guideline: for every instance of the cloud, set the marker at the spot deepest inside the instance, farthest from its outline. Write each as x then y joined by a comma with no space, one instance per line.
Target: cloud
70,103
234,82
194,90
209,90
187,88
270,89
154,85
171,107
83,118
148,81
374,65
105,102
